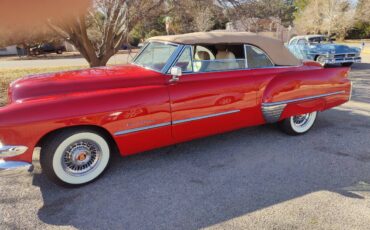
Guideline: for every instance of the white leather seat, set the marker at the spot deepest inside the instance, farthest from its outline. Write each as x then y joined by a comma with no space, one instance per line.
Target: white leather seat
225,55
201,56
226,65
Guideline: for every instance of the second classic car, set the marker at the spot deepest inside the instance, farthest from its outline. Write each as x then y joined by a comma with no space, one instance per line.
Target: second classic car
178,88
322,49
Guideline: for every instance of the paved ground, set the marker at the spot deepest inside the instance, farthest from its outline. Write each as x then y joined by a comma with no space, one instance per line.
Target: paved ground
254,178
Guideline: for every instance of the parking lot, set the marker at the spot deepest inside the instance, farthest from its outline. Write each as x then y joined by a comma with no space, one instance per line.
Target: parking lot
247,179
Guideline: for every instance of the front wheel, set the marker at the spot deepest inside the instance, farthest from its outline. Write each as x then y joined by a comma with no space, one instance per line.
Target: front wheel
297,125
74,157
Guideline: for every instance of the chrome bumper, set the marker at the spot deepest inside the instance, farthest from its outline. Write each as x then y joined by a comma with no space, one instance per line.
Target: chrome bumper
14,167
11,150
342,60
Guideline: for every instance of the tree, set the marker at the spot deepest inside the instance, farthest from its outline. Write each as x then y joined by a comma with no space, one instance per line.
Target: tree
194,15
250,12
333,17
101,31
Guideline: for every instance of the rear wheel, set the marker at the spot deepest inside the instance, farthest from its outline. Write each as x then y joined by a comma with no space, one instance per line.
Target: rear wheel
59,52
348,64
74,157
297,125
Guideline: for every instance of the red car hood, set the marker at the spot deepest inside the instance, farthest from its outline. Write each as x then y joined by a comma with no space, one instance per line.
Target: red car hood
63,83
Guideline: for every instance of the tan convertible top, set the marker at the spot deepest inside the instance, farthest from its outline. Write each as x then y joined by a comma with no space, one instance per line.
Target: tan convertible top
276,50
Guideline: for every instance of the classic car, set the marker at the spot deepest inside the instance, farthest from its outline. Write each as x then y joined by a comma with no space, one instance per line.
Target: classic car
178,88
320,48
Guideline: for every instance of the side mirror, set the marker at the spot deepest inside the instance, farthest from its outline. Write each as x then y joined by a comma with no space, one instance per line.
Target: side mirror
176,72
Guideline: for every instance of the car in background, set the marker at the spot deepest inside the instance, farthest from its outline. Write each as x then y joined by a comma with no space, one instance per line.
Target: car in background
47,48
321,48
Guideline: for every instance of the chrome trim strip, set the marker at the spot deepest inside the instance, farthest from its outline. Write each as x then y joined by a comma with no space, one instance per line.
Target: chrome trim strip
303,98
10,168
205,116
12,150
119,133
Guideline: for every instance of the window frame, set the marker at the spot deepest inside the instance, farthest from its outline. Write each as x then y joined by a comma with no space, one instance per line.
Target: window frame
179,56
217,71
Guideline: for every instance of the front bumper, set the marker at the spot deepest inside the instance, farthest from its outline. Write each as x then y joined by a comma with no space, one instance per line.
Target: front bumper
342,60
13,167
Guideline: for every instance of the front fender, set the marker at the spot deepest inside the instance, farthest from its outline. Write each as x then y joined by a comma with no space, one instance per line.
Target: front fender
27,122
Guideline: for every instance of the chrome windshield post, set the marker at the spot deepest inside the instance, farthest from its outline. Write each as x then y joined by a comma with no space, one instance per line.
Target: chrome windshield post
172,59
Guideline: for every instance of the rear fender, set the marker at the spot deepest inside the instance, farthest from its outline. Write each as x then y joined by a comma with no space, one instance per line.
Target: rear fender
304,91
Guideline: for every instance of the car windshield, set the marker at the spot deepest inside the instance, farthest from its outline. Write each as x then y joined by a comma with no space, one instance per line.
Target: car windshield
320,39
155,55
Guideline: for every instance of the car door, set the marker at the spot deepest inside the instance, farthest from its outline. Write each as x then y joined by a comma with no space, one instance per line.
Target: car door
209,102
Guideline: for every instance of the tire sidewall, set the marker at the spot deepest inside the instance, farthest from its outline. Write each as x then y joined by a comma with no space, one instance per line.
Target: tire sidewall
307,127
95,173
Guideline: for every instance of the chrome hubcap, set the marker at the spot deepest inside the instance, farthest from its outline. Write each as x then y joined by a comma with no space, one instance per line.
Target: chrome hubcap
81,157
301,120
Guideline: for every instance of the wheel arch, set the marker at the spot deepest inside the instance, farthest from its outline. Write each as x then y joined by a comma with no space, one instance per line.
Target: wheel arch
94,128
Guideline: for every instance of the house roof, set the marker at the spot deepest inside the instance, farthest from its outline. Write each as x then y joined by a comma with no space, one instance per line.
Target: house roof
276,50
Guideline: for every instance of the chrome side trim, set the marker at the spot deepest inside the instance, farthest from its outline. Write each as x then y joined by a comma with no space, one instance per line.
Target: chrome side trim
303,98
119,133
141,129
272,113
10,168
11,150
204,117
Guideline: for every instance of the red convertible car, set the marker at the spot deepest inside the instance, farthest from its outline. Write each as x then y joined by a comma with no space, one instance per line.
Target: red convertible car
177,88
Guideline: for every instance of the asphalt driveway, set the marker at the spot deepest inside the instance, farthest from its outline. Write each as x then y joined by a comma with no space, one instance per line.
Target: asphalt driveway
246,179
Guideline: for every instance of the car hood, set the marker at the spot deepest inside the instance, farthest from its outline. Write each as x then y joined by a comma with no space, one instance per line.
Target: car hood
333,48
81,81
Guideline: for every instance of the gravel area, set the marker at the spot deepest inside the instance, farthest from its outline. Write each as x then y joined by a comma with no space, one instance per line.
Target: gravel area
253,178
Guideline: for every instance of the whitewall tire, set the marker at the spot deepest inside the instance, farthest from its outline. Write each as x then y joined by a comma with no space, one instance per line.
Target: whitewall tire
300,124
75,157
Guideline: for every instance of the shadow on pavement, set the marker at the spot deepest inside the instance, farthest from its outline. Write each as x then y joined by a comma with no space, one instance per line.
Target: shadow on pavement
212,180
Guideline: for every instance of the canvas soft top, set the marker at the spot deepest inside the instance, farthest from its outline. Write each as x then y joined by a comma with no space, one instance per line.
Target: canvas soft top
276,50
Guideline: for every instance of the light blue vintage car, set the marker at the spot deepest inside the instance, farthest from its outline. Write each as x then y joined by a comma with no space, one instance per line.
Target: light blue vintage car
321,49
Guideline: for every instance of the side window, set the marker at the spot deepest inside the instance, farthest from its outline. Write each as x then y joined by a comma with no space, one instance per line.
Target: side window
185,61
257,58
213,58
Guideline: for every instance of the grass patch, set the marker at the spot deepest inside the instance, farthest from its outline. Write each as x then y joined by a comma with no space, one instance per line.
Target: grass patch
9,75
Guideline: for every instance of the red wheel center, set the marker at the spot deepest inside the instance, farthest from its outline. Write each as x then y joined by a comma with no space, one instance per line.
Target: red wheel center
81,156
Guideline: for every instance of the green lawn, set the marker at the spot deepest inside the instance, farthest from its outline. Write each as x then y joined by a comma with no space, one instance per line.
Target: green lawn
9,75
